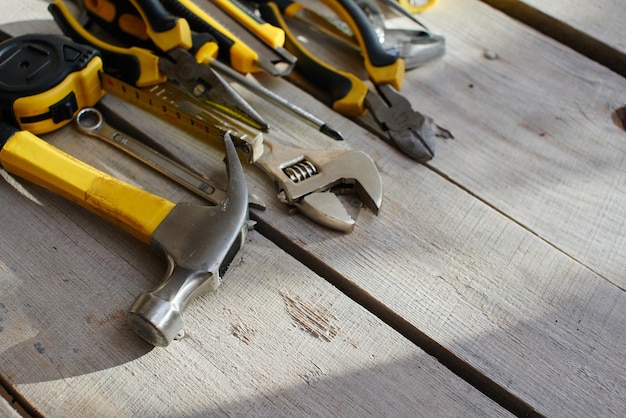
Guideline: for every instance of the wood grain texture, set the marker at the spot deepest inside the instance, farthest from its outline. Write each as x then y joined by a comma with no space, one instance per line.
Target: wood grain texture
599,19
593,29
546,154
249,349
523,234
507,249
66,348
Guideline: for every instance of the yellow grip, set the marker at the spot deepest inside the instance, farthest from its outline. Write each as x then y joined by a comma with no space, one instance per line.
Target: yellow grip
242,57
270,34
166,31
412,7
132,209
382,67
84,86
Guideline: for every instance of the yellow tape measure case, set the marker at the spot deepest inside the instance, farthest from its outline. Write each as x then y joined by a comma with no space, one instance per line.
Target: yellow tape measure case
45,80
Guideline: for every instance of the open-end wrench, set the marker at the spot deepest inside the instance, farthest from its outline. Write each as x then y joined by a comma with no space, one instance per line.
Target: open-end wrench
91,121
299,174
197,242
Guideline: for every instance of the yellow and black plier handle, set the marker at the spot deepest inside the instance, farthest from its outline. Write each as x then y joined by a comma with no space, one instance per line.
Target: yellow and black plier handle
390,115
232,51
165,22
135,65
347,92
143,68
147,24
382,66
154,22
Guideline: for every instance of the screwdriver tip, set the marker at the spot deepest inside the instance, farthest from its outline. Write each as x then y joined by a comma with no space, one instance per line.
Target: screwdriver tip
331,132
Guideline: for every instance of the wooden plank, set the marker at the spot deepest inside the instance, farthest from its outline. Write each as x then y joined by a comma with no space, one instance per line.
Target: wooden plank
470,273
501,261
274,340
544,153
592,28
6,409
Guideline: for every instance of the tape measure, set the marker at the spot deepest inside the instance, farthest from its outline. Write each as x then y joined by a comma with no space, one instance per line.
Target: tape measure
45,80
168,103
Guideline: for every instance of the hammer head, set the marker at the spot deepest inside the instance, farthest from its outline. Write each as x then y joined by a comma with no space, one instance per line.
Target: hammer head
198,243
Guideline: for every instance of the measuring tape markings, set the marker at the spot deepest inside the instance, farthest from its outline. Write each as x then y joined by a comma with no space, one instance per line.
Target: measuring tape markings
46,79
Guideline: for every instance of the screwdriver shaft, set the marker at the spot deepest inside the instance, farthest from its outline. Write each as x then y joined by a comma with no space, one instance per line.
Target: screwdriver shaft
278,100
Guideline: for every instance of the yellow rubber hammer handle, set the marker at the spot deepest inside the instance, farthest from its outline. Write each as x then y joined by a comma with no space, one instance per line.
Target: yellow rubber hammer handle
132,209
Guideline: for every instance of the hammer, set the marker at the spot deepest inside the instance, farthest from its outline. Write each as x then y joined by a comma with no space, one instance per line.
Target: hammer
197,242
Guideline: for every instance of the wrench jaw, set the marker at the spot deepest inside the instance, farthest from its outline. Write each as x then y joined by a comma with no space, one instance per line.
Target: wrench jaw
309,179
198,243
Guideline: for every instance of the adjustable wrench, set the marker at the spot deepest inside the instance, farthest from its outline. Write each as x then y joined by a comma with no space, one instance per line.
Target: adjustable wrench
307,178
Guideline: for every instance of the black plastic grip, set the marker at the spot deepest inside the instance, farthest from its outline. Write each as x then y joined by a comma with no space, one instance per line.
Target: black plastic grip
377,54
157,15
6,133
125,67
201,26
337,85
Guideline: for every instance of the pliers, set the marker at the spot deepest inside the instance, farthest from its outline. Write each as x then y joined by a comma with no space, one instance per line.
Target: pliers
384,111
165,54
231,50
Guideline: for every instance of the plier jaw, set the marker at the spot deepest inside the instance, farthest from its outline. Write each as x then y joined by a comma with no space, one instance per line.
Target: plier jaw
395,120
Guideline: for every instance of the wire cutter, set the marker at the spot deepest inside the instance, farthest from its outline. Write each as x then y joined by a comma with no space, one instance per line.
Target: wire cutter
164,55
384,111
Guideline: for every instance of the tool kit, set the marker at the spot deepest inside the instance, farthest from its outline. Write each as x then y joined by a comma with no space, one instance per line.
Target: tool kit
176,61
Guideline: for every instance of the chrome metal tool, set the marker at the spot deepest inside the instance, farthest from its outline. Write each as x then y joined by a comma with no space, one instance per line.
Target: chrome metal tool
91,121
301,175
197,242
307,180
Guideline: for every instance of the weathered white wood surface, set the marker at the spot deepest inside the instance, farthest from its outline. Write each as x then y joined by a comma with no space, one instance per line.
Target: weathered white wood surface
594,29
66,347
6,410
525,241
275,340
602,19
507,249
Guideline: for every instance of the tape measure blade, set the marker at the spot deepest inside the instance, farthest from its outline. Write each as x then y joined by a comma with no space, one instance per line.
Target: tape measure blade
167,103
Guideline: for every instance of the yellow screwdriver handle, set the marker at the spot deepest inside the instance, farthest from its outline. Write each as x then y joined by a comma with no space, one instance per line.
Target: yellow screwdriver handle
270,34
232,50
130,208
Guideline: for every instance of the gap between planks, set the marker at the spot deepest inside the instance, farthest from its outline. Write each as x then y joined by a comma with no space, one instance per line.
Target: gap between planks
560,31
521,225
445,357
